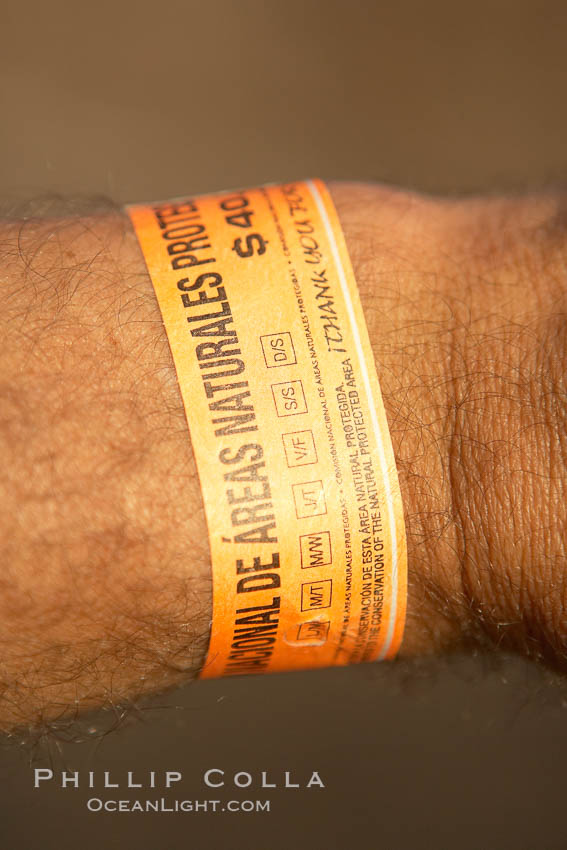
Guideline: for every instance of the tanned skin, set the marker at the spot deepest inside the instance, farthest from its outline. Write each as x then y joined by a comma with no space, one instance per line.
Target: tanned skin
105,585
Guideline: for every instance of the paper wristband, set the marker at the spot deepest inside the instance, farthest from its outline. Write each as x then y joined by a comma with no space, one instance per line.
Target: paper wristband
288,427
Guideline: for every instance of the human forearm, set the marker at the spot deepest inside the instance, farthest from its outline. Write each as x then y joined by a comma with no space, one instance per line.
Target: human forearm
106,584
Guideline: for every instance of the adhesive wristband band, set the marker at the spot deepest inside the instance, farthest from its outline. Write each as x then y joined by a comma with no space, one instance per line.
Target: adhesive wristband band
287,424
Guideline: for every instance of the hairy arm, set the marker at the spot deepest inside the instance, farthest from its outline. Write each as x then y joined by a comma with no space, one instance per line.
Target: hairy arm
105,586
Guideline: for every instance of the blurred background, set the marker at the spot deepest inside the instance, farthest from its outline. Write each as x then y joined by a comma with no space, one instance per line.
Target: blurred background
143,101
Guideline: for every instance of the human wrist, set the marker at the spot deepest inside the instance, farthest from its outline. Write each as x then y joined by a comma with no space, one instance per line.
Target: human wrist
395,242
461,299
465,307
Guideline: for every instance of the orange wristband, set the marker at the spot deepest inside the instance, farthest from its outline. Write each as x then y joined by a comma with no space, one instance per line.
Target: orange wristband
288,427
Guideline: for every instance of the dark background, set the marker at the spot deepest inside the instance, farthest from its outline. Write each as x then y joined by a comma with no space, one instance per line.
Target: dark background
146,101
